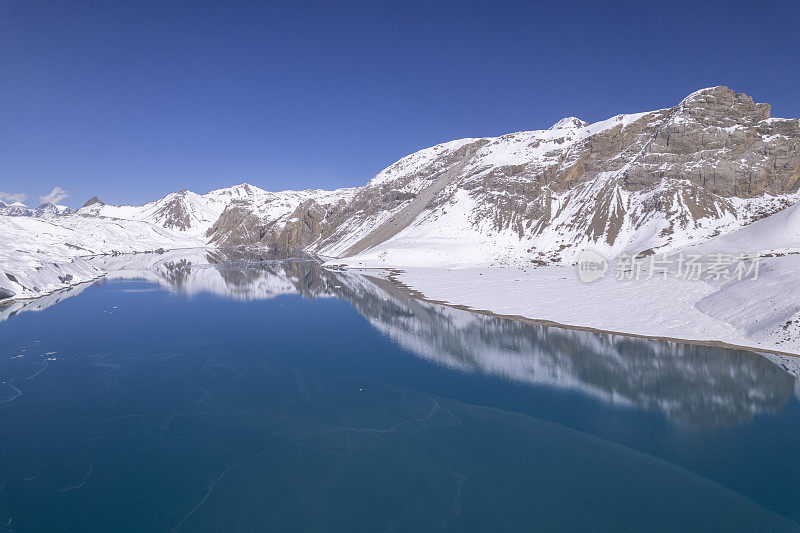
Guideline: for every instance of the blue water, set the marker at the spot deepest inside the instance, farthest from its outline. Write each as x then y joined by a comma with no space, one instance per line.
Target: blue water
264,396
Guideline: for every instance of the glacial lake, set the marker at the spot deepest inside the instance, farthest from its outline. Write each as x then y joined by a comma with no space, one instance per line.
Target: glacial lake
200,391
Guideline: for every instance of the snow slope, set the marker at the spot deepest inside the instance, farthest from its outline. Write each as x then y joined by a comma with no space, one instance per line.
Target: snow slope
40,255
749,313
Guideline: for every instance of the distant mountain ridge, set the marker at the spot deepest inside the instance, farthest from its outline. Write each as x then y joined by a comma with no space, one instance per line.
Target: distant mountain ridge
18,209
637,183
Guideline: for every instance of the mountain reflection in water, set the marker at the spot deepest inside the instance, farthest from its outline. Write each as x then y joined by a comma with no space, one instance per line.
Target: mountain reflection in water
692,385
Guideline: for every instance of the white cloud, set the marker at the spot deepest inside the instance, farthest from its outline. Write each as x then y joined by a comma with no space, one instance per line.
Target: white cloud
12,197
55,196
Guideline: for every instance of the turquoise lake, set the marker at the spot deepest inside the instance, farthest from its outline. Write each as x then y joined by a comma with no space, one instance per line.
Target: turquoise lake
204,392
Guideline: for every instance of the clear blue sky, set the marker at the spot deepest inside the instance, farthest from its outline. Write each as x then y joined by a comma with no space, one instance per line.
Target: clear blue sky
131,100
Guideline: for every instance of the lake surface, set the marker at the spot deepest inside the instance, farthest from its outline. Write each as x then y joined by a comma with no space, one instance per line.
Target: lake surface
200,391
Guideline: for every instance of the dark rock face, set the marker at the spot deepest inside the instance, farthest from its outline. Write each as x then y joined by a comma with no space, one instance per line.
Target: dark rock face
94,200
174,215
715,139
723,142
304,227
239,227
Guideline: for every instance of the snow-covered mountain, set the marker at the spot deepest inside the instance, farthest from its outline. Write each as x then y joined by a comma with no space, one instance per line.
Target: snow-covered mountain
643,182
243,215
633,183
18,209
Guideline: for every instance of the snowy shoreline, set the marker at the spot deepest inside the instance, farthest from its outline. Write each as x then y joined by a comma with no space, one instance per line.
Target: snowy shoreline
45,278
758,310
466,289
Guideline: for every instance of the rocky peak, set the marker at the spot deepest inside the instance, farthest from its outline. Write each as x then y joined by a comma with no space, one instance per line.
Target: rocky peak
94,200
723,105
568,123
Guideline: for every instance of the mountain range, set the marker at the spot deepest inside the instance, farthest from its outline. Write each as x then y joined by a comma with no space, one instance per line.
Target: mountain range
638,183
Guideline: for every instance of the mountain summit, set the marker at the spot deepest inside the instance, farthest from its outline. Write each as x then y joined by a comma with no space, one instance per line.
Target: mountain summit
94,200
